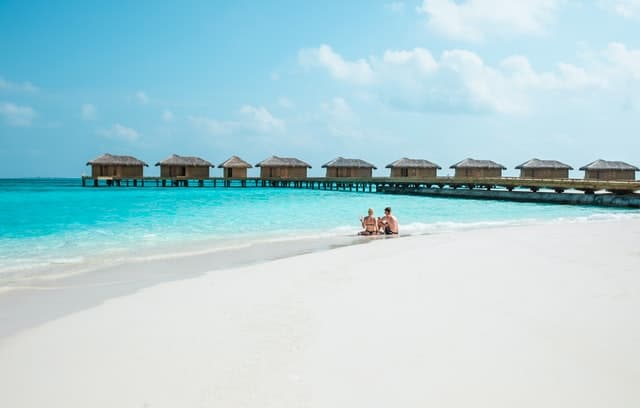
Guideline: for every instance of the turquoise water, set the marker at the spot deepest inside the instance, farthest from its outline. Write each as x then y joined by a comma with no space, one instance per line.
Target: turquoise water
54,222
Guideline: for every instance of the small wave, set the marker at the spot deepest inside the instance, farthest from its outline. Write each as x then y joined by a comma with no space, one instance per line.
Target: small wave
422,228
600,217
66,261
178,252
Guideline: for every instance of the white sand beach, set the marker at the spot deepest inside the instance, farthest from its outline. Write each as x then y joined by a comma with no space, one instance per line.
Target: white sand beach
530,316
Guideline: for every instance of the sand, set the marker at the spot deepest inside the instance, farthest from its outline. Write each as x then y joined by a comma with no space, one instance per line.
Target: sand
532,316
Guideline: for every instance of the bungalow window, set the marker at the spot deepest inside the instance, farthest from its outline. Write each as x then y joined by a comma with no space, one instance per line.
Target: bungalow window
404,172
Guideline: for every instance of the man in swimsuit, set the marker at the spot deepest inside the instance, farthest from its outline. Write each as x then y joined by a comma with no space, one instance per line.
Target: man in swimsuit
389,223
369,223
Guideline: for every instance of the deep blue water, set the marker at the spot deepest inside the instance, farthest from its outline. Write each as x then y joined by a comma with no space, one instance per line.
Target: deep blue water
56,221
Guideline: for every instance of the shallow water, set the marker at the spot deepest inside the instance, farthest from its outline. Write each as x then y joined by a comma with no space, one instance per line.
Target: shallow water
51,227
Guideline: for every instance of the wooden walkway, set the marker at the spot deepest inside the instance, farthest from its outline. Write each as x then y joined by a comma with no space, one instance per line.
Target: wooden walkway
557,191
379,184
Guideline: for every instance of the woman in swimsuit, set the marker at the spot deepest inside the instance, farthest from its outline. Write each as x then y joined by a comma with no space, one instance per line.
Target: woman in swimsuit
369,223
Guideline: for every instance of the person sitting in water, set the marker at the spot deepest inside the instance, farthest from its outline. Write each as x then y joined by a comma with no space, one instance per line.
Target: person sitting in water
369,223
388,224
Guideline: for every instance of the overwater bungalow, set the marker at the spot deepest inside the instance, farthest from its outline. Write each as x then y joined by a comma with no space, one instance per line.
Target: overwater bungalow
349,168
110,165
413,168
283,168
234,167
468,168
544,169
609,170
184,166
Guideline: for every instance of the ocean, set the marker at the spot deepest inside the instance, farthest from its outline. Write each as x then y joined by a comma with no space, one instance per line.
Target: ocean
50,227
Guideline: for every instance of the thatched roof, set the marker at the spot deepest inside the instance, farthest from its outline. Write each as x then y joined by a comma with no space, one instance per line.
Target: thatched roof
115,160
413,164
477,164
275,161
609,165
234,162
191,161
349,163
543,164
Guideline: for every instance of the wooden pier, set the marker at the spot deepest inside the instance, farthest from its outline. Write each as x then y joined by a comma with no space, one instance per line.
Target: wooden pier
564,191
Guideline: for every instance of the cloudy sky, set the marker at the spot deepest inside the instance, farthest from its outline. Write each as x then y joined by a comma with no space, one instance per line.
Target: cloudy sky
434,79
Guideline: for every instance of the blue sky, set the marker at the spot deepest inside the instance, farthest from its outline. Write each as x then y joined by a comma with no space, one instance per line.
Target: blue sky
434,79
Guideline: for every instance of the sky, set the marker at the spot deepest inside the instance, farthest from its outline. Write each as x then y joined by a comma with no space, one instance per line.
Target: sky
440,80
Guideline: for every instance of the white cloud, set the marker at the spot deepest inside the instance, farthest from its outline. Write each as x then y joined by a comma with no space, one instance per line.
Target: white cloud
461,80
13,86
365,73
252,119
212,126
286,103
358,71
482,87
342,121
420,58
167,116
142,97
568,76
623,61
15,115
395,7
261,119
626,8
120,132
88,111
338,109
474,20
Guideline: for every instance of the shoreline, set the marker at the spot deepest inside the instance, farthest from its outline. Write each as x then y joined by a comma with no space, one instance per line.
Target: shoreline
28,305
79,291
536,315
68,265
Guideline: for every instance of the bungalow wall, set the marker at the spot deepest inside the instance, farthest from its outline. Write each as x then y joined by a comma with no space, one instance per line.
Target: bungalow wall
172,171
625,175
349,172
413,172
545,173
478,172
198,172
100,170
184,171
235,172
283,172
